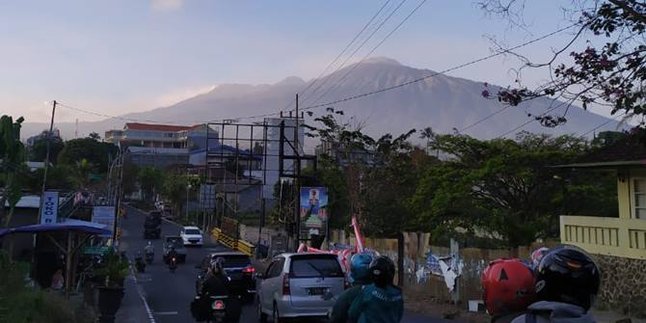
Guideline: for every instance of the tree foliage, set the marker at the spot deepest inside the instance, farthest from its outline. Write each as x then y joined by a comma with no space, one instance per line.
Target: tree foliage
610,71
11,164
38,152
98,154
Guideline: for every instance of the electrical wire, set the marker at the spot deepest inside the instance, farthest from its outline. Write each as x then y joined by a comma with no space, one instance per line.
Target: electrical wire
318,78
345,76
451,69
383,22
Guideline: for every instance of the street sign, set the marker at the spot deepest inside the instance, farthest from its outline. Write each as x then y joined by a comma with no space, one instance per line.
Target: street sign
49,209
207,197
104,215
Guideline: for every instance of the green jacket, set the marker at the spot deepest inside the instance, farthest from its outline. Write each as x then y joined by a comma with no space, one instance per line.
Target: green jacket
343,303
377,305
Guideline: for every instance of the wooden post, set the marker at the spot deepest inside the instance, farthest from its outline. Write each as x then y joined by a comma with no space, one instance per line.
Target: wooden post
68,264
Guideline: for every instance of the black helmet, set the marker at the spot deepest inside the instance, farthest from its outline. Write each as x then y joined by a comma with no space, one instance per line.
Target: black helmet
567,274
217,265
382,270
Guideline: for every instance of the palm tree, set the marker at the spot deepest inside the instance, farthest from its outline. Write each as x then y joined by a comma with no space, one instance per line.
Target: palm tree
429,135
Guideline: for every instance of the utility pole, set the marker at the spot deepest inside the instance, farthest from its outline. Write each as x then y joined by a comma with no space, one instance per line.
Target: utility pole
48,145
297,187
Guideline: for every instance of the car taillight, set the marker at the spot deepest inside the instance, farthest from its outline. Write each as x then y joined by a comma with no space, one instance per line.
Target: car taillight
286,290
217,305
249,270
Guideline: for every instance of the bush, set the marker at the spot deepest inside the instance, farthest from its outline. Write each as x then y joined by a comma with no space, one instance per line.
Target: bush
22,304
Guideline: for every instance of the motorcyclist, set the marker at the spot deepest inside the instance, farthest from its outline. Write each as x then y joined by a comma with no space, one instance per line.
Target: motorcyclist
567,281
149,249
380,301
359,276
508,288
172,253
216,282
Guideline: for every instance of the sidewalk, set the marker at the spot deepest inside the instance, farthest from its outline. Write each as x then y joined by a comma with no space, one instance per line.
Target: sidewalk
612,317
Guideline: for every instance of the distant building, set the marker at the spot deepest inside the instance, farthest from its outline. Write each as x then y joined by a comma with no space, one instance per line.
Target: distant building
158,145
55,134
343,156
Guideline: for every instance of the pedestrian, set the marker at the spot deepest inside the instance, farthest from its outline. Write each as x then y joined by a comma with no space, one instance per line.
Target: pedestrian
508,288
380,301
360,276
567,282
58,281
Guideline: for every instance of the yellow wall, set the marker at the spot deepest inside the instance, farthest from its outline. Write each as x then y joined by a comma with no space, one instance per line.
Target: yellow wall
606,236
623,194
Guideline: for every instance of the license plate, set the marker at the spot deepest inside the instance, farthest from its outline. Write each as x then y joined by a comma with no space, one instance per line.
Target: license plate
317,290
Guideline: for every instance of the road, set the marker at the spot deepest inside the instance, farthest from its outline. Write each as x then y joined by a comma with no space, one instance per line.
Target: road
163,297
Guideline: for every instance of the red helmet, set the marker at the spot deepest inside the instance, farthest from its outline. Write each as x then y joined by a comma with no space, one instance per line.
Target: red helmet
508,286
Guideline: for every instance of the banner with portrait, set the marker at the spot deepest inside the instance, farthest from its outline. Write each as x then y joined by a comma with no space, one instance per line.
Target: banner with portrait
314,213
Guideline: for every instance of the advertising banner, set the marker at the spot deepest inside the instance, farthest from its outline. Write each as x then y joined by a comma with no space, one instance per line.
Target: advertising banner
49,209
104,215
207,197
313,215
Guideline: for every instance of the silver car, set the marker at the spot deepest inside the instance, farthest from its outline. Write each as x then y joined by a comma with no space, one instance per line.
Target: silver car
300,285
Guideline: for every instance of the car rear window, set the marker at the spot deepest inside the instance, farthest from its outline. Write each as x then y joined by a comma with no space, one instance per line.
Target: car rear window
315,266
234,261
192,231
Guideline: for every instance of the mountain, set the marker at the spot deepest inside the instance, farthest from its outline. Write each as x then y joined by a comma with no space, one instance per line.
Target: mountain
442,102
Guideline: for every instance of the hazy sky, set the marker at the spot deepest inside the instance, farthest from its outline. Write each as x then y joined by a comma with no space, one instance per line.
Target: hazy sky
119,56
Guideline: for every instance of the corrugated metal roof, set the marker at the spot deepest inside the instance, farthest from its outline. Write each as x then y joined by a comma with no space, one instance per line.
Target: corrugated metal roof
156,127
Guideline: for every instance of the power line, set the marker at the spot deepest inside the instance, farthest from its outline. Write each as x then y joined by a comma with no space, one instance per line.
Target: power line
383,22
345,76
98,114
491,115
302,91
457,67
530,121
602,124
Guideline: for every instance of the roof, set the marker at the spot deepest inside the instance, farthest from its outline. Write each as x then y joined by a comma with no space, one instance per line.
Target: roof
191,227
227,253
627,151
156,127
56,227
608,164
27,202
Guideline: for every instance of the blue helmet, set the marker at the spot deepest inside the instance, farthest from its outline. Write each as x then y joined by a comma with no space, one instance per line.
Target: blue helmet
359,264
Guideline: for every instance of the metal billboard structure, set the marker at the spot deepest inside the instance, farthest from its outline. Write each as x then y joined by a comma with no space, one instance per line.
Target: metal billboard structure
244,163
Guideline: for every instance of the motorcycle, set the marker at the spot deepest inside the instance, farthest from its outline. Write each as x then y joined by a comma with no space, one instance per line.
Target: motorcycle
172,264
140,265
149,257
218,309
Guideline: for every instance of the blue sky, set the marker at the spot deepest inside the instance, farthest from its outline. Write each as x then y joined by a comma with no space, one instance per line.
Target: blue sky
119,56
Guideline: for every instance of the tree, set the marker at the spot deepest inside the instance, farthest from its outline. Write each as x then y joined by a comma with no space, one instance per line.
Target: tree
174,189
38,152
500,186
610,71
152,181
96,153
11,164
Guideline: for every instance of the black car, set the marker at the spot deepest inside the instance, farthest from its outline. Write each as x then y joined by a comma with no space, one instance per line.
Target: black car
238,267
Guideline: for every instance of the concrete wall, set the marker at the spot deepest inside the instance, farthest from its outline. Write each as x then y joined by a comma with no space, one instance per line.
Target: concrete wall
623,285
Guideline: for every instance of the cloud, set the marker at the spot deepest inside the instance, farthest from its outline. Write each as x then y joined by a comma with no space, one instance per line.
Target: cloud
167,5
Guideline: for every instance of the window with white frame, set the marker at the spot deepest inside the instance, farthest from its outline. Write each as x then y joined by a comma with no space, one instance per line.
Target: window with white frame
639,198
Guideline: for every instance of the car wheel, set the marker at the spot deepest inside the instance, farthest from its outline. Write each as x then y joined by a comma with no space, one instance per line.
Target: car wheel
262,317
276,315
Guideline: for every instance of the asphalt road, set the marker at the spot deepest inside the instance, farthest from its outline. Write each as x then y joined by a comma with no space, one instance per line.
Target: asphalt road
159,296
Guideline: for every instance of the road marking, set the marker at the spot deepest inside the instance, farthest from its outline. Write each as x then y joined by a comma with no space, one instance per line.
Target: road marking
141,295
166,313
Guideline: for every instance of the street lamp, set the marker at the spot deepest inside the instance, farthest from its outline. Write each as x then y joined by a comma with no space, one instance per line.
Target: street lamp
188,188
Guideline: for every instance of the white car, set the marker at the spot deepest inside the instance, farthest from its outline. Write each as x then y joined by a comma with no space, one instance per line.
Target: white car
191,236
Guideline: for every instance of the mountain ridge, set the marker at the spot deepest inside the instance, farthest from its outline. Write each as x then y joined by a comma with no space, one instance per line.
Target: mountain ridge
442,102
